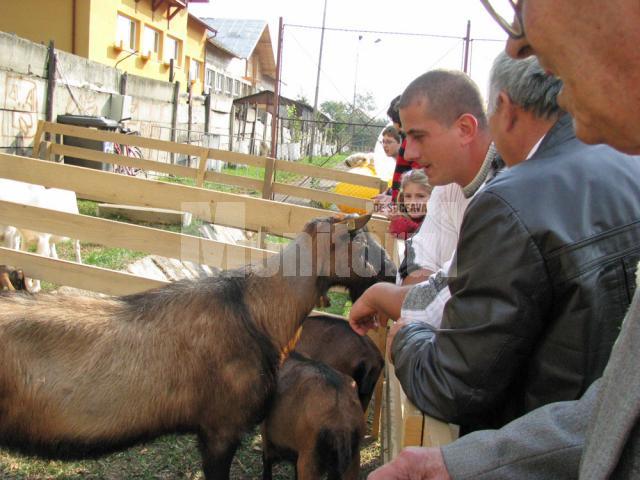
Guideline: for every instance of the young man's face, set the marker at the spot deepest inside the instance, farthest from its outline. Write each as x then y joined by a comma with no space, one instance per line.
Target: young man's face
390,145
591,45
431,144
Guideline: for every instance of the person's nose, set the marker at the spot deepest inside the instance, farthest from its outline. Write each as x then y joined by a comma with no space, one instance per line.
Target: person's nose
411,151
519,48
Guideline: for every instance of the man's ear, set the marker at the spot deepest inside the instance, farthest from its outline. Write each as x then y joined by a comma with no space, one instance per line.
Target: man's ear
467,125
506,111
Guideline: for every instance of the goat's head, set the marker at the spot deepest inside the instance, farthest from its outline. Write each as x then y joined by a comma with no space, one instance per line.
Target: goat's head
348,255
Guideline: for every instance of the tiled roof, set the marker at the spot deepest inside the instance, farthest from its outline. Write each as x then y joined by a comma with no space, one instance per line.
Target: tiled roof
237,35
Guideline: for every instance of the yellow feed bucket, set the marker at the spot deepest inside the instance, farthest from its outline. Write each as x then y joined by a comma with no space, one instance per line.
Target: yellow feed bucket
357,191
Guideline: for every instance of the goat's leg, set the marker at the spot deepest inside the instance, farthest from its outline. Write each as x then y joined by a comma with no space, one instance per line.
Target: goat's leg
217,455
306,468
353,470
267,466
53,251
76,248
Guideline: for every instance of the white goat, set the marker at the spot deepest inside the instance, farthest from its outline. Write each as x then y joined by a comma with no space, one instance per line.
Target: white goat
36,196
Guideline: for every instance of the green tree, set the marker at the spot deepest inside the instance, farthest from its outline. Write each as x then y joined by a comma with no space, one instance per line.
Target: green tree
354,126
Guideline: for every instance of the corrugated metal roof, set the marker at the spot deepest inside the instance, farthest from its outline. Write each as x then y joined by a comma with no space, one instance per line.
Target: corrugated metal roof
237,35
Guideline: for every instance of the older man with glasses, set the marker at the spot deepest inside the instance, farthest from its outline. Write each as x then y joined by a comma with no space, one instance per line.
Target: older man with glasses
592,46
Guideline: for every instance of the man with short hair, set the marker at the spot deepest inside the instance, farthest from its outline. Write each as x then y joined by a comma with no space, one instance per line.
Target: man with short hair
522,327
592,46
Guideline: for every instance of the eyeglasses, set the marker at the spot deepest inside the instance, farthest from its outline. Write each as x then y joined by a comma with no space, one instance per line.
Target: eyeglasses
501,10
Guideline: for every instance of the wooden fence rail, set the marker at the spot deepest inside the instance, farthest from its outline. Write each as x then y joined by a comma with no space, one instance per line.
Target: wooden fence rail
221,208
76,275
267,185
133,237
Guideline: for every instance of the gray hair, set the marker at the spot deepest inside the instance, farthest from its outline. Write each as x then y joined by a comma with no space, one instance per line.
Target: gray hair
527,85
450,94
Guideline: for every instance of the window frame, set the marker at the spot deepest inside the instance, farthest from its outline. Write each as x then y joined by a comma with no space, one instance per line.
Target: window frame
130,43
178,50
156,49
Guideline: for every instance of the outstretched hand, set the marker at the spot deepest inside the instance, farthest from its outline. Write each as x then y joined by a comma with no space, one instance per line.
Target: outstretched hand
377,304
364,316
414,463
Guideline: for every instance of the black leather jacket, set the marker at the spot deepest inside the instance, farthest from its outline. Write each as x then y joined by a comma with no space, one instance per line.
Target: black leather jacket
545,273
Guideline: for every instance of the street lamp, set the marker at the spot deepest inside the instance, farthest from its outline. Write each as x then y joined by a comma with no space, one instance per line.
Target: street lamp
355,76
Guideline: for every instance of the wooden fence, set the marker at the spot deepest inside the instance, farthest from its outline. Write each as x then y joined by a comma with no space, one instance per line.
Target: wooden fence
267,186
226,209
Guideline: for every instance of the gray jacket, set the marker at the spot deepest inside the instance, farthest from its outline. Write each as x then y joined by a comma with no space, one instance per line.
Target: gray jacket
548,443
545,265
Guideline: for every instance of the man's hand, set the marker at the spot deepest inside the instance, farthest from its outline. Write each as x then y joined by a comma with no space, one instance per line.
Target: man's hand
377,303
414,463
364,314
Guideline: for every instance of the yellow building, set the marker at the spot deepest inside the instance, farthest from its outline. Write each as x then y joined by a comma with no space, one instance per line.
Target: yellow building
156,39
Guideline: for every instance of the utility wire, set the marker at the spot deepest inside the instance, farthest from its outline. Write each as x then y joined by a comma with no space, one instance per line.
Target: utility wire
384,32
380,32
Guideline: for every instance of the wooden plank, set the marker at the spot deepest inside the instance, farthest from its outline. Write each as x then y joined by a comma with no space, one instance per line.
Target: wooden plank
235,180
134,237
269,174
328,173
202,167
437,433
236,157
379,337
322,196
37,140
113,159
145,214
76,275
121,138
394,413
226,209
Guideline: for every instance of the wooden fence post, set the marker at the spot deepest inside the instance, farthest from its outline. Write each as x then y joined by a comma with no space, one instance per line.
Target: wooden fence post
37,140
202,167
174,117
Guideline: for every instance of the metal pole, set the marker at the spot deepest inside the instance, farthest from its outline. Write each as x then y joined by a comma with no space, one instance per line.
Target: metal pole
355,84
51,85
467,45
276,99
315,100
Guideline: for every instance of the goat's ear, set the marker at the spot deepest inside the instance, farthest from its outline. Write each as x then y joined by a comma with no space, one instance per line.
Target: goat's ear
355,223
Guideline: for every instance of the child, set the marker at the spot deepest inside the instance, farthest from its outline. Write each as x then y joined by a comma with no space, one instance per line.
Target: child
391,141
412,204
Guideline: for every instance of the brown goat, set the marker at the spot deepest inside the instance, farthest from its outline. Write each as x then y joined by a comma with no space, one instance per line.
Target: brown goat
323,438
11,278
331,340
83,376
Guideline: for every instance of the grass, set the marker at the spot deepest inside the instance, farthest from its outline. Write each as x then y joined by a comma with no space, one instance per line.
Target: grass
257,173
172,457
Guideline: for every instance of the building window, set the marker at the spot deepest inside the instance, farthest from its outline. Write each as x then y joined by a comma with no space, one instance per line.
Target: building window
236,88
194,70
172,50
219,82
210,81
229,86
151,42
126,32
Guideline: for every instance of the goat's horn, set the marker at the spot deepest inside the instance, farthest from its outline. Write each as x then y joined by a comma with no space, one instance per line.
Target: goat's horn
356,223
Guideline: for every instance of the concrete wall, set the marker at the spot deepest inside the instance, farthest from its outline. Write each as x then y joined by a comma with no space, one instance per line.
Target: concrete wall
84,87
